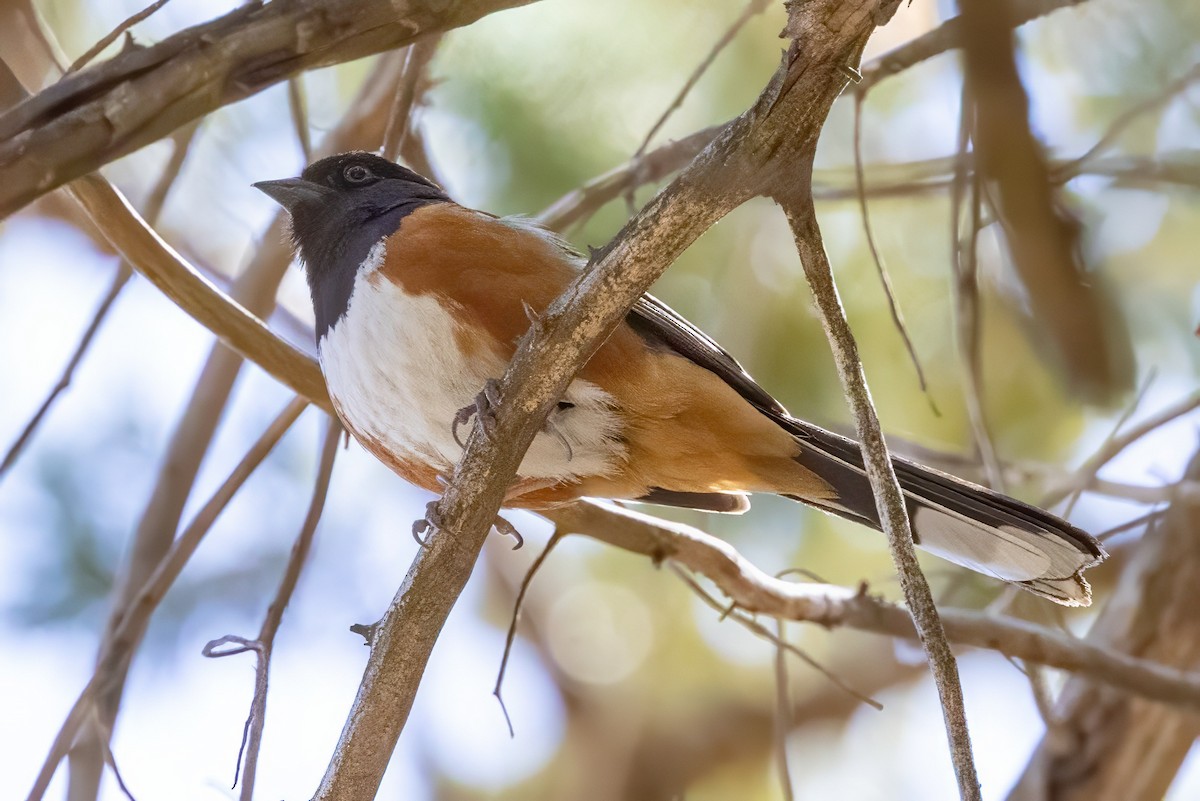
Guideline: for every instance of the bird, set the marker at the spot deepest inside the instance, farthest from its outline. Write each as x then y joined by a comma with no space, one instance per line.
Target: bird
419,303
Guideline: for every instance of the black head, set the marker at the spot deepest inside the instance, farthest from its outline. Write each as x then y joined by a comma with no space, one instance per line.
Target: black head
340,207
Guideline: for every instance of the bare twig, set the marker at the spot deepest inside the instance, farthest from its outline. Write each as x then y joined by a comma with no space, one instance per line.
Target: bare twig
115,34
753,8
132,625
109,758
579,204
757,592
1127,117
1141,520
1084,476
264,645
801,216
731,612
154,204
509,638
783,715
965,266
417,58
1087,474
884,279
943,38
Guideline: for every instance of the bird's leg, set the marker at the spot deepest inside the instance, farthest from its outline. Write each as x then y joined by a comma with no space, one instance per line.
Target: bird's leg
484,406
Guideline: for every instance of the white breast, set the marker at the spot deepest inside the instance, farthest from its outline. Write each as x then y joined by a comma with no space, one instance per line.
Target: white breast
396,372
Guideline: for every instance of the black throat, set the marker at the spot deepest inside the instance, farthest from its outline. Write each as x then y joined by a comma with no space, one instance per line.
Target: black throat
332,258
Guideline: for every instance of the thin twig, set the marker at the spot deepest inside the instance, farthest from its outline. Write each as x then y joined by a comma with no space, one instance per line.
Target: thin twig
518,605
1127,117
115,34
109,758
753,8
417,58
885,280
893,514
1084,476
756,592
153,209
1141,520
783,715
944,38
731,612
132,625
264,645
964,259
584,201
1087,475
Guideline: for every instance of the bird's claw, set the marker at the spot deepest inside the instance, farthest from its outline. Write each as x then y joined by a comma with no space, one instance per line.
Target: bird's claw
507,529
432,521
484,406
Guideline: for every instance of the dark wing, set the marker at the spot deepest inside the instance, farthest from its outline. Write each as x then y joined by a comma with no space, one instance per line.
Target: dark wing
967,524
659,324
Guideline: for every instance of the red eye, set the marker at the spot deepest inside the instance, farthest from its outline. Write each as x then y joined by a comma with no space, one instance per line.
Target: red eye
356,174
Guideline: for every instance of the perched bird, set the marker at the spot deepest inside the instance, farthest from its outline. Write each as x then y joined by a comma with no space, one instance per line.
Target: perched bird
419,303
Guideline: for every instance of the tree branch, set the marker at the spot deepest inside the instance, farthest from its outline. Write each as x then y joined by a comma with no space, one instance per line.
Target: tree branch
1112,746
802,217
755,591
92,117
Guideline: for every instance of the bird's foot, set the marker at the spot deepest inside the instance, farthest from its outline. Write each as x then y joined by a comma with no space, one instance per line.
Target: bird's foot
432,521
484,407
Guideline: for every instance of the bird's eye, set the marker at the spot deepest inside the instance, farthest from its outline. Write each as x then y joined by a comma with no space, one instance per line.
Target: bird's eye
356,174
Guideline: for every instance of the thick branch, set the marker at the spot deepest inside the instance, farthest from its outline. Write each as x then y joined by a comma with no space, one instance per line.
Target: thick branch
92,117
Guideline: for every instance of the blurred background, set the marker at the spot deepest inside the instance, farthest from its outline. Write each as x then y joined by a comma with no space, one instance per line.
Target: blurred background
622,683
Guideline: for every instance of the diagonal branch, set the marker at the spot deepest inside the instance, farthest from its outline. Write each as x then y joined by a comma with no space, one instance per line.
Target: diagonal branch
802,217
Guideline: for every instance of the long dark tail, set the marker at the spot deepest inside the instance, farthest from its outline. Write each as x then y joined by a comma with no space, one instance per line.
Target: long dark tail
967,524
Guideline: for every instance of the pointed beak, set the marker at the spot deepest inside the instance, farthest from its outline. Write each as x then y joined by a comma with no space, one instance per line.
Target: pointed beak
292,192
